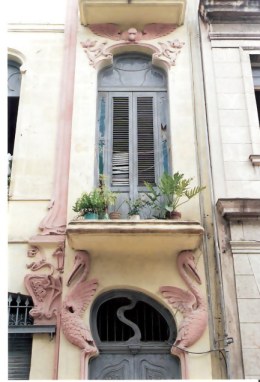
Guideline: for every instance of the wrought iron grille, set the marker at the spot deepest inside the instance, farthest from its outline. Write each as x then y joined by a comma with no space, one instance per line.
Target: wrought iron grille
19,306
150,323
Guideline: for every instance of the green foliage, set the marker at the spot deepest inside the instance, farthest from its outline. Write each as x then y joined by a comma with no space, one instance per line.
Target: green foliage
90,202
171,192
136,205
96,201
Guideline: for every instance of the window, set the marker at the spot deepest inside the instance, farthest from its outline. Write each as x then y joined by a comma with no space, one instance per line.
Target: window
132,123
19,341
14,83
255,62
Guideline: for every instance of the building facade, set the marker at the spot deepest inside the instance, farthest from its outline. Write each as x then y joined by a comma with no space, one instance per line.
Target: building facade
132,90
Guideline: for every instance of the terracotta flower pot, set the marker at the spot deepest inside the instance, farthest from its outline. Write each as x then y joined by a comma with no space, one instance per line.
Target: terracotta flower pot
115,215
174,215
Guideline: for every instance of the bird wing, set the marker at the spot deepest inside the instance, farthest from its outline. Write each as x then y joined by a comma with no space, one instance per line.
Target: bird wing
156,30
108,30
81,295
180,299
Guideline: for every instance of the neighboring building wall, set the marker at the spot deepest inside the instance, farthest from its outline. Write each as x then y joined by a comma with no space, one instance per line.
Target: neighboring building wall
235,151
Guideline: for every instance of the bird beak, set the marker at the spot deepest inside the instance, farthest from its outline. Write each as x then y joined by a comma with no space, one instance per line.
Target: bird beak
78,265
193,270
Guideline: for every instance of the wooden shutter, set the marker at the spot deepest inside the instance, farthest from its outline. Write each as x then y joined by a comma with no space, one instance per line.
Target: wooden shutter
120,150
145,140
19,356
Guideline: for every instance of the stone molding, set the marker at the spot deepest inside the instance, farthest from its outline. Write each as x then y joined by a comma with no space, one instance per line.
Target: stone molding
230,11
255,159
239,209
36,28
234,36
245,247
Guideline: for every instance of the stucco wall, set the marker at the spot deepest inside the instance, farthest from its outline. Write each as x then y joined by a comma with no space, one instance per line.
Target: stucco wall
41,48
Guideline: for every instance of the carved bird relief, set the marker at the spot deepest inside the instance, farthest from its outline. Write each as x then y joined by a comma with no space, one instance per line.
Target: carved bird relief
132,35
190,303
74,306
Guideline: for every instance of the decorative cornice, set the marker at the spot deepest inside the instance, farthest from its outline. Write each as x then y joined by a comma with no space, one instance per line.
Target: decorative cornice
36,28
245,247
230,11
234,36
239,209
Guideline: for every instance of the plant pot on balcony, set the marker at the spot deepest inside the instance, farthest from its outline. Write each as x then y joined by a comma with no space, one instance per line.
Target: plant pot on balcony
91,216
114,215
174,215
134,217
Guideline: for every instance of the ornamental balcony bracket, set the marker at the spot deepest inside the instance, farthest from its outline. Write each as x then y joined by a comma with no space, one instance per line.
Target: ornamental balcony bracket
132,12
145,237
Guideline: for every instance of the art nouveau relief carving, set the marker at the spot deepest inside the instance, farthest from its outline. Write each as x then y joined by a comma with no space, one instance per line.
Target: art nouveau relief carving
45,289
191,303
166,51
74,306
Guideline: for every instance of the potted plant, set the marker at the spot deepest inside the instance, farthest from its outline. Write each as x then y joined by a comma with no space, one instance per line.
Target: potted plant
135,206
94,204
108,196
115,213
171,192
90,204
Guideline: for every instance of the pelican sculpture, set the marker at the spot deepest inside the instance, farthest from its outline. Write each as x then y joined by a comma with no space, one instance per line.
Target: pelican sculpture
74,307
190,303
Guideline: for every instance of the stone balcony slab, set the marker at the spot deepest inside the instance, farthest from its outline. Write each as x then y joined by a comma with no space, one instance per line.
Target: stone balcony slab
143,237
135,13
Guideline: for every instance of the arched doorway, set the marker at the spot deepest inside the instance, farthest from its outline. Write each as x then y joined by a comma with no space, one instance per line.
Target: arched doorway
134,334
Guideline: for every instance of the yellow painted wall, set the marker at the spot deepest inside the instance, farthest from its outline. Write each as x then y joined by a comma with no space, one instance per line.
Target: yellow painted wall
33,172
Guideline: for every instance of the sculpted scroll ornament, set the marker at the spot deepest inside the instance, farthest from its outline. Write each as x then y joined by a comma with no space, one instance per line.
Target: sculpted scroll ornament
74,306
190,303
45,290
166,51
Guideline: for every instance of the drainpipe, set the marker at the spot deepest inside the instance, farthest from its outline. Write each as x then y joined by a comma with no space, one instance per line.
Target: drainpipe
212,194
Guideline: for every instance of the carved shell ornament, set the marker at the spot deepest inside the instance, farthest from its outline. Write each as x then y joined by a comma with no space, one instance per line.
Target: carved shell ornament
166,51
150,31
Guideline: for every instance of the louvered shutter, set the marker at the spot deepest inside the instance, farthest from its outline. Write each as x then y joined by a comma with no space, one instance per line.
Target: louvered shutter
120,150
19,356
145,140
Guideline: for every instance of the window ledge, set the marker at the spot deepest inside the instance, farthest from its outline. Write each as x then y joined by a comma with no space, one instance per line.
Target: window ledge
239,209
32,329
142,237
255,159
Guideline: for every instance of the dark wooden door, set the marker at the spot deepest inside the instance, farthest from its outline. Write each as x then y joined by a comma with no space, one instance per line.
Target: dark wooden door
134,366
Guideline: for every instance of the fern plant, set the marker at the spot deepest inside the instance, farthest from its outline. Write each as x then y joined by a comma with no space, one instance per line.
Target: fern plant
171,192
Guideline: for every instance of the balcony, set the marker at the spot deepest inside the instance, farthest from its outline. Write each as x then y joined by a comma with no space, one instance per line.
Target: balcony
143,237
129,13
